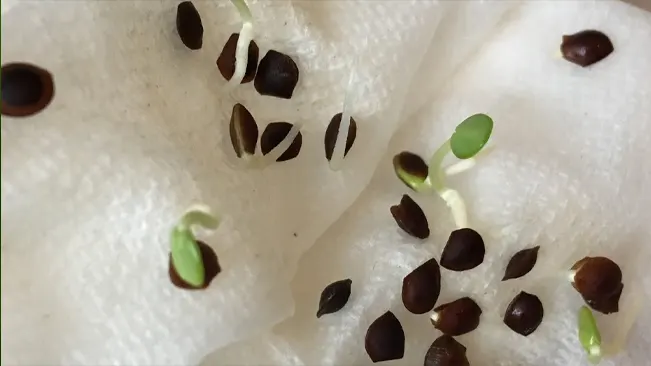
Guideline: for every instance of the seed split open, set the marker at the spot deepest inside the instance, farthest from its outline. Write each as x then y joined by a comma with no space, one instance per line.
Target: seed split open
599,281
457,317
524,314
421,288
274,134
385,339
464,250
334,297
277,75
26,89
446,351
411,169
521,263
189,26
243,131
226,60
410,218
211,265
332,131
586,47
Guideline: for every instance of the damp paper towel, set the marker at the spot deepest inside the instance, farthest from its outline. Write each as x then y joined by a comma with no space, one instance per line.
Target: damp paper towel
138,131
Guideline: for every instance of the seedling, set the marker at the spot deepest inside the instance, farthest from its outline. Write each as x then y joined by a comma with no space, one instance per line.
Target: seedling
245,38
589,335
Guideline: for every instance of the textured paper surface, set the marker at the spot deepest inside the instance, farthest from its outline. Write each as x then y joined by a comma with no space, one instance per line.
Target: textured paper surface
138,131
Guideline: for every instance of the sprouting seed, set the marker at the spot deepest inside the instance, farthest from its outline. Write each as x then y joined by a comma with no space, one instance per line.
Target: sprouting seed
385,339
457,317
589,335
26,89
521,263
586,47
421,287
274,134
242,49
226,61
599,281
210,263
277,75
332,131
463,251
410,218
243,131
446,351
334,297
189,26
411,169
524,314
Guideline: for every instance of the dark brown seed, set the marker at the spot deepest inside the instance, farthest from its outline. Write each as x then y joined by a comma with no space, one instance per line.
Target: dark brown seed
524,314
226,60
210,263
411,218
26,89
446,351
243,130
274,134
457,317
332,131
188,25
586,47
464,250
599,281
411,169
521,263
277,75
385,339
334,297
421,288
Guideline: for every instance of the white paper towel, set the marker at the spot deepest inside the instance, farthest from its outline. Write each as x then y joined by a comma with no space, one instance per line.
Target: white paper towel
138,130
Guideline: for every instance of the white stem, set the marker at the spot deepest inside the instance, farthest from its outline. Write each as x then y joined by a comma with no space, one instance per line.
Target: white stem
451,197
460,167
342,135
457,205
198,215
242,53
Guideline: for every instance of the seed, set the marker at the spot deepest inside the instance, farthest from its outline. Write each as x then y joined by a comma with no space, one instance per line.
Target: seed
226,60
332,132
586,47
410,218
26,89
421,288
457,317
274,134
188,25
464,250
243,130
599,281
210,263
334,297
411,169
524,314
277,75
385,339
446,351
521,263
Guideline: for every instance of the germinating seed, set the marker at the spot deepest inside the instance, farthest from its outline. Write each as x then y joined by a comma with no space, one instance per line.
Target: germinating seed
243,131
211,265
411,169
521,263
599,281
457,317
421,287
188,25
274,134
385,339
334,297
463,251
332,131
277,75
586,47
446,351
26,89
410,218
226,60
524,314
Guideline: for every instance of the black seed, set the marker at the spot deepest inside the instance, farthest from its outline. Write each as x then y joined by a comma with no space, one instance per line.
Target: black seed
385,339
332,131
524,314
26,89
457,317
599,281
464,250
410,168
243,131
334,297
446,351
521,263
274,134
421,288
188,25
277,75
210,263
226,60
586,47
411,218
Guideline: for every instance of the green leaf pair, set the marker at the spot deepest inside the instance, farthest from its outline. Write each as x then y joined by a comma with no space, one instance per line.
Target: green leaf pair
589,335
186,254
471,135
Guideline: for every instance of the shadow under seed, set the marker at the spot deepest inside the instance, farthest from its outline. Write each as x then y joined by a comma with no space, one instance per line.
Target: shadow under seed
410,218
210,263
226,60
274,134
189,26
524,314
332,131
385,339
334,297
26,89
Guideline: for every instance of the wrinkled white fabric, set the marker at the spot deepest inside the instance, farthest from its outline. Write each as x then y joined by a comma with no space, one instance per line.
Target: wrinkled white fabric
138,131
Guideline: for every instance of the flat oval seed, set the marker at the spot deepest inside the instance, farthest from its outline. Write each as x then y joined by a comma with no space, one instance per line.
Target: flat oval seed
524,314
274,134
457,317
410,218
411,169
521,263
586,47
599,281
446,351
26,89
277,75
385,339
421,288
210,263
226,60
334,297
243,131
189,26
332,131
464,250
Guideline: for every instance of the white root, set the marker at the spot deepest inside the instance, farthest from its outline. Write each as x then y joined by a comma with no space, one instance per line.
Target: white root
342,135
243,41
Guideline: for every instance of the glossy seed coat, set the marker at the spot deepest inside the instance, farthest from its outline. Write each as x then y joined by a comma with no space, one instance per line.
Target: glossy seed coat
421,287
189,26
411,169
446,351
210,263
274,134
524,314
26,89
334,297
464,250
457,317
243,131
411,218
332,131
226,60
521,263
385,339
277,75
586,47
599,281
